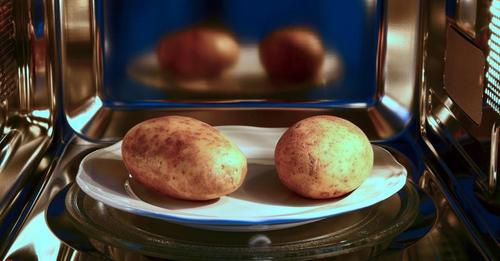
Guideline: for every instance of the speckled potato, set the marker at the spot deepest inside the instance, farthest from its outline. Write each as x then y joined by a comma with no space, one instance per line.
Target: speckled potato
183,158
323,157
199,52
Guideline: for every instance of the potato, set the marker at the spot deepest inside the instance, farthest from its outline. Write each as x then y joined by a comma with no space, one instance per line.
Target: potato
293,54
323,157
197,53
183,158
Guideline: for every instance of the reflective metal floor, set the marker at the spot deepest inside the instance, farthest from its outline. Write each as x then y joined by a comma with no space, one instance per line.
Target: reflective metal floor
446,240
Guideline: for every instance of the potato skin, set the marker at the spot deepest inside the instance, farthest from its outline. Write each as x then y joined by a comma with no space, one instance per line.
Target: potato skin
183,158
323,157
293,54
197,52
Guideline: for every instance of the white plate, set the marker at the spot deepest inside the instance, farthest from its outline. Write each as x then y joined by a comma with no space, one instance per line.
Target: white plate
261,203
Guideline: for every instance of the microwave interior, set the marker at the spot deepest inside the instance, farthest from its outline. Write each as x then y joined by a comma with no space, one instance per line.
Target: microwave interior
91,70
131,31
112,69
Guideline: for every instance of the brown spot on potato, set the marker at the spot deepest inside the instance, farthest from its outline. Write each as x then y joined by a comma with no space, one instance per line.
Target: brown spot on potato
314,160
177,163
325,194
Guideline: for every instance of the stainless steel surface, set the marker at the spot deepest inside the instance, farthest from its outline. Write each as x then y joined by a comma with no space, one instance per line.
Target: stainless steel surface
433,90
466,15
456,169
472,17
493,171
28,114
442,115
460,147
90,116
446,239
80,50
464,74
63,171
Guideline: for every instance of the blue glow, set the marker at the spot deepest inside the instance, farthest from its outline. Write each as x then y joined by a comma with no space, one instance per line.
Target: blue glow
396,107
129,33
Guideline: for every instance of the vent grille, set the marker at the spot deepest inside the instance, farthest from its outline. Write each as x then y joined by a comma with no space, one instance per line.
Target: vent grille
492,89
8,66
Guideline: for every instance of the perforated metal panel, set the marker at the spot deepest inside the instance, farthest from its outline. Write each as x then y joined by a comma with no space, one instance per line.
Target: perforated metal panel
7,44
492,89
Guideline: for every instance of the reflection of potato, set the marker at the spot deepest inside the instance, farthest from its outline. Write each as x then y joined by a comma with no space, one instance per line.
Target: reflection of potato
197,52
183,158
323,157
292,54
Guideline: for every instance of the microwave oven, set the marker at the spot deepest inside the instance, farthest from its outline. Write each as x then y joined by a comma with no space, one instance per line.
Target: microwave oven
419,77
